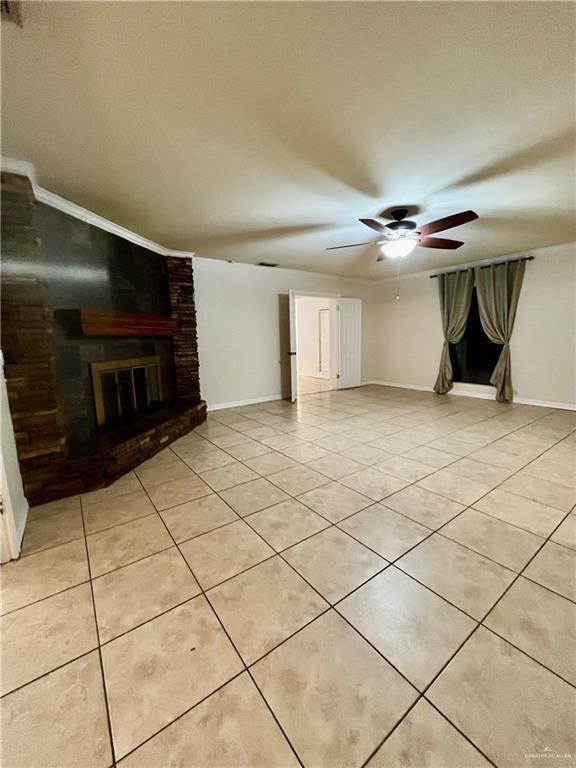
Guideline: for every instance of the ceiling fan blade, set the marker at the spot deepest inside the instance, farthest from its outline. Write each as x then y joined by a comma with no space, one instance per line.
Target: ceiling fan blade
439,242
373,224
352,245
447,223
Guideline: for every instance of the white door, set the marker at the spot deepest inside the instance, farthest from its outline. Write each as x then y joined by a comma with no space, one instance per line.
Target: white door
293,345
350,343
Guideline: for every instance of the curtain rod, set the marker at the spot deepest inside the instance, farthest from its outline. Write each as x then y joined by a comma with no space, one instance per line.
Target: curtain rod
485,266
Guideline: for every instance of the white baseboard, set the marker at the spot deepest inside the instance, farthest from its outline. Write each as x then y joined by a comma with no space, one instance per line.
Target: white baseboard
482,392
239,403
417,387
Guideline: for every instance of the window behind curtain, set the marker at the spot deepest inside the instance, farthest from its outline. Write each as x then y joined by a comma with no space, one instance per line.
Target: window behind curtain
475,356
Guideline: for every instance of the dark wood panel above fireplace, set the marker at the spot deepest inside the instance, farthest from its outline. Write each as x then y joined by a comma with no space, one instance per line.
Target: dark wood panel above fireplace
95,322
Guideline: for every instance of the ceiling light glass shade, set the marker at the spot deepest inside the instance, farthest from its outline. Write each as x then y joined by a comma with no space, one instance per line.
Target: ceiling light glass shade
397,248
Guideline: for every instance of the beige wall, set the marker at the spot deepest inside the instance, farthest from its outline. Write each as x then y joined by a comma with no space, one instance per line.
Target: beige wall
543,344
243,332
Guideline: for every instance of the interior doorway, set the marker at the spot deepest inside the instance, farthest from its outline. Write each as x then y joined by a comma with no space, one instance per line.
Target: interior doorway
313,344
325,342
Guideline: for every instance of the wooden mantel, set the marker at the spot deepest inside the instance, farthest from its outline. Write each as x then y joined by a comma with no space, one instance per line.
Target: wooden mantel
95,322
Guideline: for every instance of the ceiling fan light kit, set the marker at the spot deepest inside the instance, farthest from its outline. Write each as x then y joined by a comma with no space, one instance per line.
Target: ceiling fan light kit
400,236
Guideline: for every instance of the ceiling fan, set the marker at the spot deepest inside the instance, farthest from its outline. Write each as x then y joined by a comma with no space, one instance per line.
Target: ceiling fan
400,236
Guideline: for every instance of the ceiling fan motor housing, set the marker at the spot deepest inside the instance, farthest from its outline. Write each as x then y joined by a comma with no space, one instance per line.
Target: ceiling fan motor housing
401,226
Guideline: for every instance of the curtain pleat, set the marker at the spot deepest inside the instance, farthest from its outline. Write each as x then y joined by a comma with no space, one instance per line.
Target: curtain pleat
455,296
498,290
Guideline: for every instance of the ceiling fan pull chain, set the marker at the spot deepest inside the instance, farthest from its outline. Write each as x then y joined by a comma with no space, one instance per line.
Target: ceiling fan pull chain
398,265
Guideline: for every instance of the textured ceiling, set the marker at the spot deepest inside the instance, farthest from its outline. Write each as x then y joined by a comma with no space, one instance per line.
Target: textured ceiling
262,131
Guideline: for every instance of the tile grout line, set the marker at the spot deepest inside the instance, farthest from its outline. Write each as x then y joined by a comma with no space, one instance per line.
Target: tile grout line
102,675
203,593
331,524
480,623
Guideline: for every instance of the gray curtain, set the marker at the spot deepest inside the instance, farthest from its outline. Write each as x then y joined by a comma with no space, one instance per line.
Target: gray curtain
498,290
455,297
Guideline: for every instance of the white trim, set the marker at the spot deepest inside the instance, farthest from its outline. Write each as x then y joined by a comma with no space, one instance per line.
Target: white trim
417,387
239,403
545,403
481,394
24,168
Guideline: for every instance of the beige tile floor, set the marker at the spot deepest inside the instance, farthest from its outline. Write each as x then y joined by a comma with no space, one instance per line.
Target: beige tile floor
372,577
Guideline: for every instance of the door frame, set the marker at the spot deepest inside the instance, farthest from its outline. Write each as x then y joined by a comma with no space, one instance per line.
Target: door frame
334,337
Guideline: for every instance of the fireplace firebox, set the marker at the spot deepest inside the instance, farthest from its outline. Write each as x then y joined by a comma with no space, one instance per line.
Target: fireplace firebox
125,389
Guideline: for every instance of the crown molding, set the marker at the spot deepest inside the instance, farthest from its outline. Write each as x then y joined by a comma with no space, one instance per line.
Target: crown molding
25,168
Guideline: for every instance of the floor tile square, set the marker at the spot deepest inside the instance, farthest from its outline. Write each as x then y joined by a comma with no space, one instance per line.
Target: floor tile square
51,524
384,531
412,627
305,452
138,592
46,635
42,574
453,487
374,484
336,442
228,439
128,483
423,506
507,704
431,456
334,563
540,623
166,456
525,513
504,543
58,721
161,669
253,496
231,729
286,523
405,469
196,517
552,494
467,580
229,476
263,606
335,501
208,460
554,567
547,468
425,739
480,471
152,476
566,532
335,465
271,462
297,480
247,450
393,444
177,492
351,697
123,544
367,455
120,509
362,434
224,552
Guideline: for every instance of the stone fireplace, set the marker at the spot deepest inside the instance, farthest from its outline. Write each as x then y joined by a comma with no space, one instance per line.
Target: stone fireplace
99,344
